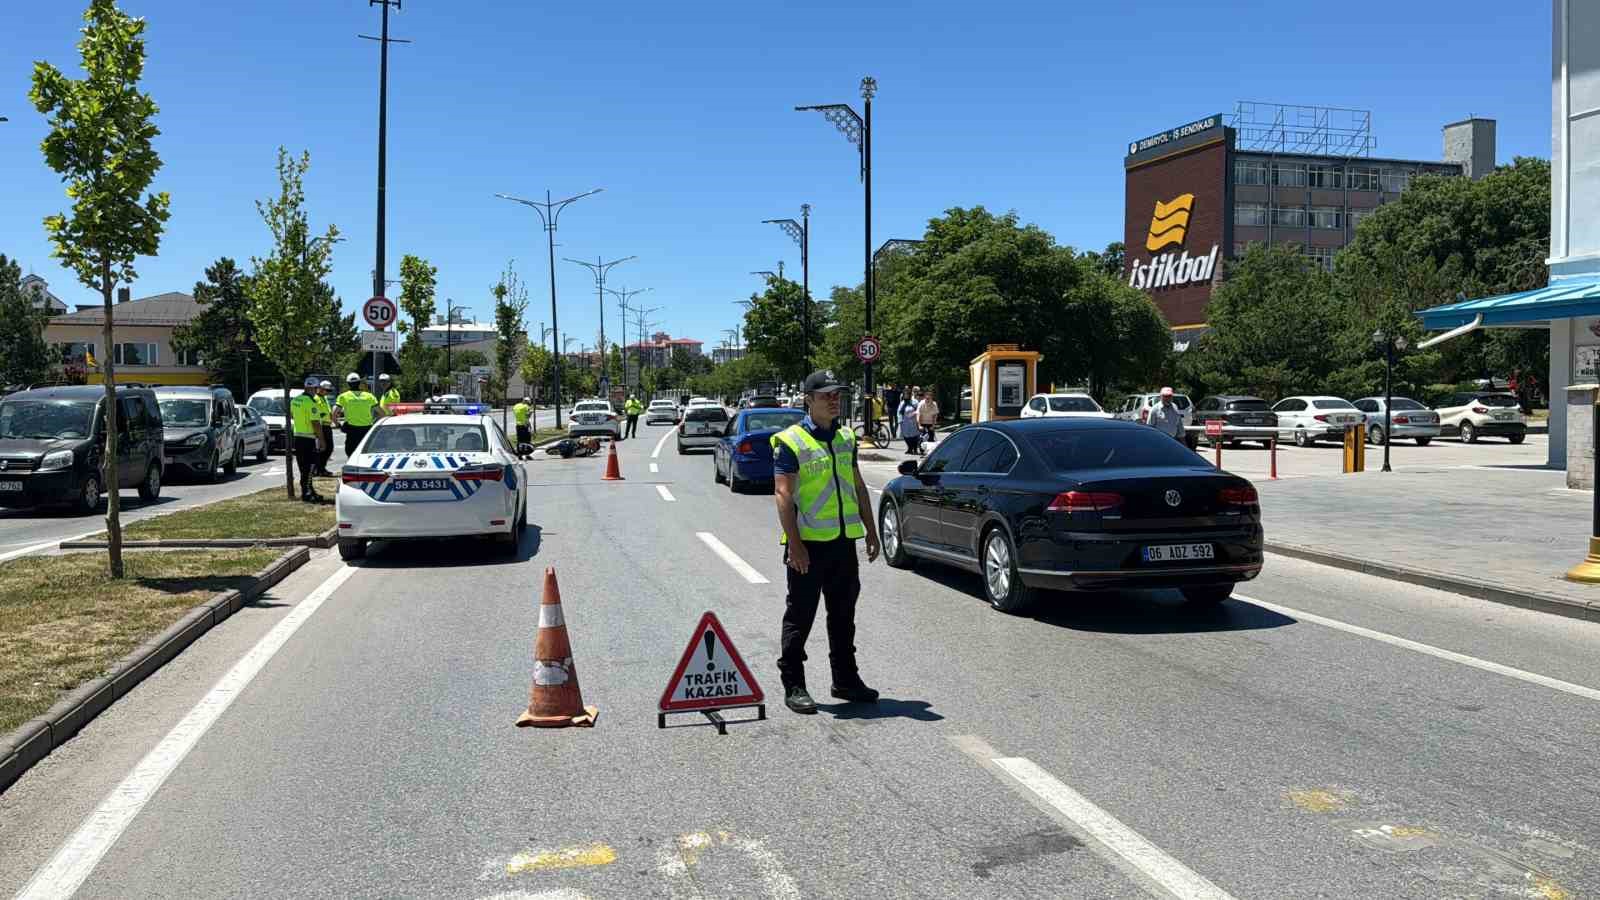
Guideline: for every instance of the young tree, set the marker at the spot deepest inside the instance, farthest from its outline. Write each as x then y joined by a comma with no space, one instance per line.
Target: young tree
287,305
418,283
101,129
24,355
222,335
339,341
535,368
510,306
773,327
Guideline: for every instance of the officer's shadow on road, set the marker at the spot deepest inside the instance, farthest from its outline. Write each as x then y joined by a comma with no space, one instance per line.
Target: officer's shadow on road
885,708
446,552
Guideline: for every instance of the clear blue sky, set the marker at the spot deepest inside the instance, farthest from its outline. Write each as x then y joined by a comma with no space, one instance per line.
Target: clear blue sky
683,113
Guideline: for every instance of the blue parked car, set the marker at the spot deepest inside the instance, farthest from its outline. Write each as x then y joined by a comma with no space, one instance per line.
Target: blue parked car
744,455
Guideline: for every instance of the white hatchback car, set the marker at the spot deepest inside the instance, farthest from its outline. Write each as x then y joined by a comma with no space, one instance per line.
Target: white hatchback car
594,417
1309,419
1475,414
1073,406
429,475
661,411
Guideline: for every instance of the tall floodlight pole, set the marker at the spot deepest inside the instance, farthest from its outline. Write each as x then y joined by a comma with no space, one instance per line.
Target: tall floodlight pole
384,41
549,213
623,296
640,314
800,233
600,268
858,130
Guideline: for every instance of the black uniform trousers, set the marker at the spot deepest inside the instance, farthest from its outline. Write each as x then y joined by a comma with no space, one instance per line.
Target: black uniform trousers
833,577
633,427
327,449
305,456
352,437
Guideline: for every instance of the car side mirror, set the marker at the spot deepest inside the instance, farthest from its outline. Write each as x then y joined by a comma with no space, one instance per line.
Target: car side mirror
907,467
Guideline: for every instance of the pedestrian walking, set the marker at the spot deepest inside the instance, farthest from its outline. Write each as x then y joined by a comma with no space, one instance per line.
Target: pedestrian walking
308,439
823,508
1167,418
388,395
325,424
907,416
891,406
523,412
927,414
359,409
632,408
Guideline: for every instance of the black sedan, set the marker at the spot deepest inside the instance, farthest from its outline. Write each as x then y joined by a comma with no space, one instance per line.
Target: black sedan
1073,505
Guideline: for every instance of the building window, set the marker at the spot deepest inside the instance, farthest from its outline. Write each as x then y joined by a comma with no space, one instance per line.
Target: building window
1250,214
74,352
1322,257
1289,174
1327,217
139,354
1289,216
1356,215
1395,180
1249,171
187,358
1362,178
1325,176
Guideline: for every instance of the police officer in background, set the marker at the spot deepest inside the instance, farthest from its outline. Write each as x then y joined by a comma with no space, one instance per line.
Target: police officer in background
388,394
308,439
523,412
824,508
325,423
632,409
359,409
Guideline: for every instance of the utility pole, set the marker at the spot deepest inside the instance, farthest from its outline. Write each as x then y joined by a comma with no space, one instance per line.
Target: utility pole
600,268
384,41
800,233
549,213
623,296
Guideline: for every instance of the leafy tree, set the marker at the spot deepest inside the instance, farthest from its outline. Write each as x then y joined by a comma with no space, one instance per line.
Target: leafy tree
774,329
1128,338
616,363
1111,261
847,322
339,340
288,302
24,355
101,129
510,306
535,367
418,284
222,334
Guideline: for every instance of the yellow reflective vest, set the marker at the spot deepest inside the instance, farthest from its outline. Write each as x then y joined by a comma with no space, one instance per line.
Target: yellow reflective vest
303,415
358,407
520,413
825,486
389,399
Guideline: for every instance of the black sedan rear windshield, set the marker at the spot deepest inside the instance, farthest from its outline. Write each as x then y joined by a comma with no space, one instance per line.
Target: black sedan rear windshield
1247,405
1075,449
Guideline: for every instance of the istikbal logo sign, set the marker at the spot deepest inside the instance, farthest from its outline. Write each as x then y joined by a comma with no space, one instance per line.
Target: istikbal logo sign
1169,226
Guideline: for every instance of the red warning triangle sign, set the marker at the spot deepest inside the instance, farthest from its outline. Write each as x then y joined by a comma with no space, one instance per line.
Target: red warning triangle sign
711,673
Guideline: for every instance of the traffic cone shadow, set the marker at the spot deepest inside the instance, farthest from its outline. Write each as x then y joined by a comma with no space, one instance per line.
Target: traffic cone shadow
613,470
554,700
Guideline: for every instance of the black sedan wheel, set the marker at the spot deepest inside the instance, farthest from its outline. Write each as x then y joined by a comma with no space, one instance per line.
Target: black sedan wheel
894,549
1002,583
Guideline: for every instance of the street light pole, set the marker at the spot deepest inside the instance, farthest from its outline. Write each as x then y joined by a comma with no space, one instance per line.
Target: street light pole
1389,346
600,268
550,213
800,233
623,296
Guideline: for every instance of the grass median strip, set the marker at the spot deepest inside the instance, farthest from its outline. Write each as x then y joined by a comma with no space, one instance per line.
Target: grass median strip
63,620
263,514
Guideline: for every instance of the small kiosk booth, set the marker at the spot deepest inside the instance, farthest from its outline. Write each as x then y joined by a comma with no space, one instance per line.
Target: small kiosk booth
1003,378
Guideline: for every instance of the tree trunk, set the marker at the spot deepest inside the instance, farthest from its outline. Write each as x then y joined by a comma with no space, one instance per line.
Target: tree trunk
288,441
113,460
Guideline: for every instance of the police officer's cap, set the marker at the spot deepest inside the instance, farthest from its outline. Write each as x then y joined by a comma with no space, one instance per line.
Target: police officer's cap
384,377
326,385
311,382
820,382
352,377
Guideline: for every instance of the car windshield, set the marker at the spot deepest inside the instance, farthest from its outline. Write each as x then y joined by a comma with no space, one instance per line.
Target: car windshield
1181,401
1499,400
592,407
1333,404
1247,405
706,414
1403,403
185,413
45,419
772,421
267,405
423,437
1073,404
1075,449
660,404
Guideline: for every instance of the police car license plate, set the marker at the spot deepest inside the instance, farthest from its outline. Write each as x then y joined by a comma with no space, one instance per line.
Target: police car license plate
422,484
1178,552
10,486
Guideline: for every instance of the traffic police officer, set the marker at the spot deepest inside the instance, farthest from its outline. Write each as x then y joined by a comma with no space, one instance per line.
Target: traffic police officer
325,424
632,409
308,438
389,395
522,412
824,508
359,409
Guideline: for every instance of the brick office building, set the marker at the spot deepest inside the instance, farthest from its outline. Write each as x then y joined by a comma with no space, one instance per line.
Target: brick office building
1198,194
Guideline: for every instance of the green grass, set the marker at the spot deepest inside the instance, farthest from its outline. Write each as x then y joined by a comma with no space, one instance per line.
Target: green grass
63,620
263,514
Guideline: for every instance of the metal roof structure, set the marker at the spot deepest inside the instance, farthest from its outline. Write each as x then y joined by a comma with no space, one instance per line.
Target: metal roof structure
171,308
1572,298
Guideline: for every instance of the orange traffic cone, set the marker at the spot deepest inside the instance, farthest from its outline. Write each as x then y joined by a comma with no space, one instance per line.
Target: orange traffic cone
554,701
613,471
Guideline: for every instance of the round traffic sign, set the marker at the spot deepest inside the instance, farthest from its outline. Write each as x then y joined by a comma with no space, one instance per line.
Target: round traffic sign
867,350
379,312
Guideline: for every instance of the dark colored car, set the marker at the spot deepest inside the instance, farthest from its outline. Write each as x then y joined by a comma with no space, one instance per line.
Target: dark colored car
744,455
1240,410
52,445
201,431
760,401
1073,505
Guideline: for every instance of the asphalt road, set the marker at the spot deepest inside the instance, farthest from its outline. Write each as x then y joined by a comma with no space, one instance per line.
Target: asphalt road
1323,734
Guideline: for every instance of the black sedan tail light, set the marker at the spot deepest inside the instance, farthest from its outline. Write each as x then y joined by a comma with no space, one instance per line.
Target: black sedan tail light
1085,501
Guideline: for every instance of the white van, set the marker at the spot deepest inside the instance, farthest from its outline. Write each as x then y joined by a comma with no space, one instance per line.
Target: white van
268,404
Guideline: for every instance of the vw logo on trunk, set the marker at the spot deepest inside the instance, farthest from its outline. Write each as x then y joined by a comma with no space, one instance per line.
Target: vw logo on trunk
1174,498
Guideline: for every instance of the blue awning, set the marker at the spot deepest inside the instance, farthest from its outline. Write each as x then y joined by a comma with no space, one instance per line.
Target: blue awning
1572,298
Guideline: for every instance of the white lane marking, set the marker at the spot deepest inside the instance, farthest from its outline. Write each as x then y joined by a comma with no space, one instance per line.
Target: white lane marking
75,859
1576,690
665,494
676,865
731,558
654,468
656,453
46,545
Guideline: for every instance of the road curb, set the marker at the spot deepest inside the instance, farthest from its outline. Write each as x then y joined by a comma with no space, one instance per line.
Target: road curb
324,540
35,739
1534,600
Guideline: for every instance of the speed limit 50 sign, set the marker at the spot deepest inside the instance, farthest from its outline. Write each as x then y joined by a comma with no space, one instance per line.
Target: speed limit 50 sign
379,312
867,350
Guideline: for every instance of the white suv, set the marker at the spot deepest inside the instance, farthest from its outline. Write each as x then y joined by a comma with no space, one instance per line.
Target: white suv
594,417
1136,408
661,411
1474,414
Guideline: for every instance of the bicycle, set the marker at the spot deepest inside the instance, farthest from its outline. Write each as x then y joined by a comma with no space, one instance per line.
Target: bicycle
879,431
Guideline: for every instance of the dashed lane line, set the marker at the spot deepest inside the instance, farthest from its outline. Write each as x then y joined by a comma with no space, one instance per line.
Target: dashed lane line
656,453
76,859
665,494
654,468
731,558
1134,855
1577,690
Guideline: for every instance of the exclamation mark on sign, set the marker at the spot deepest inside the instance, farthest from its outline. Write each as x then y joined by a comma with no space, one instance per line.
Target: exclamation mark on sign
711,650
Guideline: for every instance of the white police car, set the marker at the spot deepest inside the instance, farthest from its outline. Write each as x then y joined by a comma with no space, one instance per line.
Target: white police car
432,470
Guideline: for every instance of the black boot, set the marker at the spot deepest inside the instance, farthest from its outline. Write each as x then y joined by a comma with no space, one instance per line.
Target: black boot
852,689
796,698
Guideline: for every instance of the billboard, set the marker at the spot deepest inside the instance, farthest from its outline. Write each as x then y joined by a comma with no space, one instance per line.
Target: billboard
1176,218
